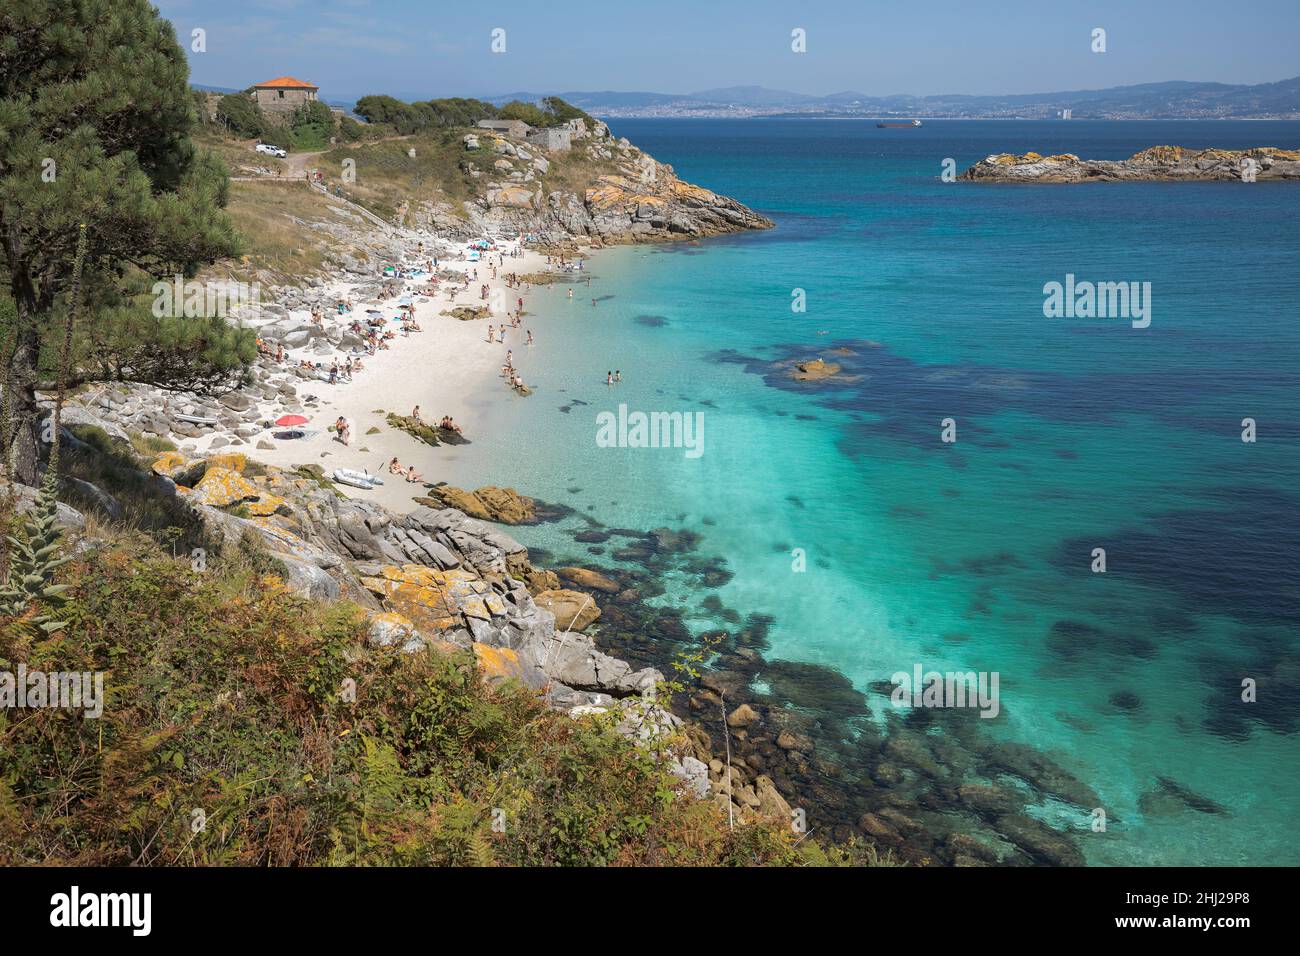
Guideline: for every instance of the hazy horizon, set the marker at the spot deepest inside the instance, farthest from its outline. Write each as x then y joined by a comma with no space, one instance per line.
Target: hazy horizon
350,48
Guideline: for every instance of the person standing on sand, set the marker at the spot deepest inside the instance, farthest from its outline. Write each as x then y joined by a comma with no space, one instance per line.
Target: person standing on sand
492,336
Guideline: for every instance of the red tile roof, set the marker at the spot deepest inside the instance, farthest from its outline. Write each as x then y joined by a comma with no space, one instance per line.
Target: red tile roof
286,82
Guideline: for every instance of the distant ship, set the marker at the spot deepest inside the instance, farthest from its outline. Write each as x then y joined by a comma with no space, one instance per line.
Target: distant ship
898,125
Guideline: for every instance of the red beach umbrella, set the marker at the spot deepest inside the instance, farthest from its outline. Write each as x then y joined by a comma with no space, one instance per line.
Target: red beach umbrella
286,420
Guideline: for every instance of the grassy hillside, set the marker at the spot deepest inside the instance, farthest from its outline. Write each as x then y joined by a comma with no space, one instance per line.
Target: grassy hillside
387,176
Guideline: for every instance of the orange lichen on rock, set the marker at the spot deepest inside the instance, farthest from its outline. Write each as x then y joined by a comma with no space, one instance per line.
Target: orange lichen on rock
498,663
169,464
433,600
222,487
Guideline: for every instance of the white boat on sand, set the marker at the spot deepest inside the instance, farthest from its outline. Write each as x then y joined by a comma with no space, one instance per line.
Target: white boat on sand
357,479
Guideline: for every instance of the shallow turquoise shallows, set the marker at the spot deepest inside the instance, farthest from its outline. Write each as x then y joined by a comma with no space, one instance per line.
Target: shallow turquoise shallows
1072,434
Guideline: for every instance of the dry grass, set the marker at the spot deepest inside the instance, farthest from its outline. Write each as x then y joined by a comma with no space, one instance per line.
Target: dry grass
276,219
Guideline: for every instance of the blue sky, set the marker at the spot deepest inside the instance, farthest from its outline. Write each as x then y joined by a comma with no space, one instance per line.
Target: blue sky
434,48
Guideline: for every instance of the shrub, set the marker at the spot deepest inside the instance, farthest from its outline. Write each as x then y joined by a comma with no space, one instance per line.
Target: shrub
230,736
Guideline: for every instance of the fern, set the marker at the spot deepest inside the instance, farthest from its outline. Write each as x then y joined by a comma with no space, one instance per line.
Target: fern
35,553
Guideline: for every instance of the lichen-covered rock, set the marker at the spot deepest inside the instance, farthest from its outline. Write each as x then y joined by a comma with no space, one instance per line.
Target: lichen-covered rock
432,600
388,628
221,488
499,664
489,503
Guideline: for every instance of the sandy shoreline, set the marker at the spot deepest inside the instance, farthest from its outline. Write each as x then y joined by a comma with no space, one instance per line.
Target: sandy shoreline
448,368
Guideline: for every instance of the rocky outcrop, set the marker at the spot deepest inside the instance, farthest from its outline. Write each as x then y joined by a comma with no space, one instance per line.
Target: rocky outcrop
573,610
814,370
629,196
1158,163
489,503
434,577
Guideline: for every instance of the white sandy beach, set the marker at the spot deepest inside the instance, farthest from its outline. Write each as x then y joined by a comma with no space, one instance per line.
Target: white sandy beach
448,368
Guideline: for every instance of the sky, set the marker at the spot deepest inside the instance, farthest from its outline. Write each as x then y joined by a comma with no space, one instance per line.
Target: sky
427,48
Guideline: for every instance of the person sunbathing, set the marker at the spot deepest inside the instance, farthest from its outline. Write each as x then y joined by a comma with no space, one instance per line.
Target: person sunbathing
449,425
394,466
412,474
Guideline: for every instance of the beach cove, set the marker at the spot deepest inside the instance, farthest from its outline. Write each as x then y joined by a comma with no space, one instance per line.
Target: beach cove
828,536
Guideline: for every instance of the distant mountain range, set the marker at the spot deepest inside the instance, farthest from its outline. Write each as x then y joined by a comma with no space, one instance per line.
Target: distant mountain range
1177,99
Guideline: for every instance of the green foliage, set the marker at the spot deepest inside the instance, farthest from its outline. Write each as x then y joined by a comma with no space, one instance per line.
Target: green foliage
311,126
562,112
409,118
34,554
228,696
238,112
350,130
527,112
95,123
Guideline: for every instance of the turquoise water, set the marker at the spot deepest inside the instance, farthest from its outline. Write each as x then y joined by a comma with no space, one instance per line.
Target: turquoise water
1072,434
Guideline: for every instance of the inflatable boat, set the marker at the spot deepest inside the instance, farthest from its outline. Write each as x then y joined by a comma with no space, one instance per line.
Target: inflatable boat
357,479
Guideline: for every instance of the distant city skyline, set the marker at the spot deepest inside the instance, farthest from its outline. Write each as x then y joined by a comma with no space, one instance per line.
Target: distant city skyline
414,48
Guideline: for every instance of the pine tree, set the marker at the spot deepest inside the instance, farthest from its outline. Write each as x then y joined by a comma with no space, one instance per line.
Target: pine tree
95,121
32,559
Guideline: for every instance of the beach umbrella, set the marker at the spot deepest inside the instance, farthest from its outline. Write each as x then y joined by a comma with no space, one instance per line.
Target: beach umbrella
284,421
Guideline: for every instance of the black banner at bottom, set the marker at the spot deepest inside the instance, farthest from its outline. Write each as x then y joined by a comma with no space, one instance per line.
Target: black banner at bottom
337,905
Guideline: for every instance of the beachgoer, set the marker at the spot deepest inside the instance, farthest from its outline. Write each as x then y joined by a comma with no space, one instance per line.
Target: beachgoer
618,375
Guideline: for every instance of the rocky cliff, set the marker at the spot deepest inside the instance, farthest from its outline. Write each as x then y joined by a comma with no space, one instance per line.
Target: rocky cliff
1159,163
603,189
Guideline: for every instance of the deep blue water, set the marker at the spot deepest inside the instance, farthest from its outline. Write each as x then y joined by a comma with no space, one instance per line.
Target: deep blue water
1072,434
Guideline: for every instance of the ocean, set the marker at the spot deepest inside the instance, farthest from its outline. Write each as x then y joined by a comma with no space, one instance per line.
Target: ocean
834,522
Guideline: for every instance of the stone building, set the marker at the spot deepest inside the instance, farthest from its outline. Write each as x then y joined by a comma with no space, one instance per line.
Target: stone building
517,128
556,139
283,95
